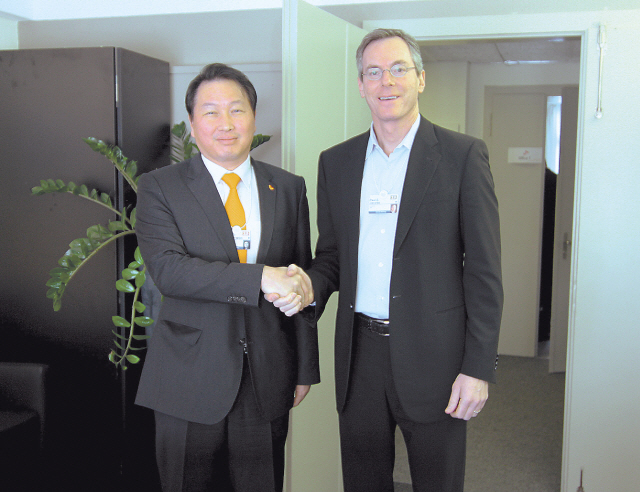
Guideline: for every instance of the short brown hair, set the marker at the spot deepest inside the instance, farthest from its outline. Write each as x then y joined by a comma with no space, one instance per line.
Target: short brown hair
381,33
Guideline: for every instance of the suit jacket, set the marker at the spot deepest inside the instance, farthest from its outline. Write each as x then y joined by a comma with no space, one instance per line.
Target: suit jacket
446,289
212,304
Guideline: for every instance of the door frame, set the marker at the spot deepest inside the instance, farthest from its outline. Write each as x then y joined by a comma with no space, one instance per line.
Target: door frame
515,27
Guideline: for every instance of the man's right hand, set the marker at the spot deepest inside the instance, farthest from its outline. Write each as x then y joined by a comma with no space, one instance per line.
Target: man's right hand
289,289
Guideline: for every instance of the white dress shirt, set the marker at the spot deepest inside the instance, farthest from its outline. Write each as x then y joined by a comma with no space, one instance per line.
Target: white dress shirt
378,230
248,193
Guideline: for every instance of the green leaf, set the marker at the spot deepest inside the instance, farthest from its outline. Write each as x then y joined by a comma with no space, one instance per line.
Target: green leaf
129,273
106,199
115,342
141,278
131,168
118,335
134,265
99,233
120,322
134,359
259,139
139,306
76,260
179,129
116,225
94,143
141,337
54,283
112,357
143,321
138,256
124,286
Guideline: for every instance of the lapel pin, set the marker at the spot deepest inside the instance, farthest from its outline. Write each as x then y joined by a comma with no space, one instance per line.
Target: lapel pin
271,188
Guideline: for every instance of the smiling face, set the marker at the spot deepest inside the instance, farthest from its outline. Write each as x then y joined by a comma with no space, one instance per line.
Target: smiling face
391,99
223,122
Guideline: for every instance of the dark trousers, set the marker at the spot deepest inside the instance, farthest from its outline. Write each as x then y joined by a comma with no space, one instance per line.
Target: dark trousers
241,453
367,430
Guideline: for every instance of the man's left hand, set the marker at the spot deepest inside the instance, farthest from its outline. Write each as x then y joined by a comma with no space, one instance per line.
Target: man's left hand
301,392
468,396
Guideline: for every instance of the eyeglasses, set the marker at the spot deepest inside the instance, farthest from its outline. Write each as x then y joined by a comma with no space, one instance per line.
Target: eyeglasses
375,73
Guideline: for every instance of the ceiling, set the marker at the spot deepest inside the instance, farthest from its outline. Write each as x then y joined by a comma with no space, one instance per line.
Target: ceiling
537,50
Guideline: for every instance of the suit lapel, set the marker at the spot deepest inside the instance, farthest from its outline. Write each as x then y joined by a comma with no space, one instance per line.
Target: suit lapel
423,161
351,188
267,194
206,193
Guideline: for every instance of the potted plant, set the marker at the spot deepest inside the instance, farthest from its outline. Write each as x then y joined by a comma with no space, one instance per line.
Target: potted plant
81,250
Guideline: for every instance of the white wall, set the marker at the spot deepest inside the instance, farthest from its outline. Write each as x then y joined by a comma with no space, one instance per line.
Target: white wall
188,42
180,39
602,408
444,100
8,34
497,74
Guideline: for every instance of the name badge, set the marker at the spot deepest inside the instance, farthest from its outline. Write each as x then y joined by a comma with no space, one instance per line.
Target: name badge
241,237
383,203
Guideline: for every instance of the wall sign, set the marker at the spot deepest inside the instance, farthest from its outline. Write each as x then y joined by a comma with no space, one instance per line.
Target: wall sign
525,155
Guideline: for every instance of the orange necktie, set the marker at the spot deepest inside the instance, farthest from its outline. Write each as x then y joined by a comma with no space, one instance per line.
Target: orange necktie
234,208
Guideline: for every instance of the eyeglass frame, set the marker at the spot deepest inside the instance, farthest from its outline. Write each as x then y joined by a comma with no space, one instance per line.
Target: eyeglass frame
365,74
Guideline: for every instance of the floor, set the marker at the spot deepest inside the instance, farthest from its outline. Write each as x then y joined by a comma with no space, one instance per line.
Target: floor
516,445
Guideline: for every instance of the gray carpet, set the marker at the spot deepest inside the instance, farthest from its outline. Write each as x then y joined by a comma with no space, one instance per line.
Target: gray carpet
515,445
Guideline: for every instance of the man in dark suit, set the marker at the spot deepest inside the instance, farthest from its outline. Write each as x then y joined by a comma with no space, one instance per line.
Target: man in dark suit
224,367
420,290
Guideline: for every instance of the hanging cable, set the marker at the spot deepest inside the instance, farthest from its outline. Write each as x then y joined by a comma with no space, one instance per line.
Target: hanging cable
602,41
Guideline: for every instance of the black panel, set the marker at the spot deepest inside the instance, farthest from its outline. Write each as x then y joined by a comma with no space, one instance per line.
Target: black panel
143,135
49,100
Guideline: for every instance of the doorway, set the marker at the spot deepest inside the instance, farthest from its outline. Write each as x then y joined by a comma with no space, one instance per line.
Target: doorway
520,147
474,120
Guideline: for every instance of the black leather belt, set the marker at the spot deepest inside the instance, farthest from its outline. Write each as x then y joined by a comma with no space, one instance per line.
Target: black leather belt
374,325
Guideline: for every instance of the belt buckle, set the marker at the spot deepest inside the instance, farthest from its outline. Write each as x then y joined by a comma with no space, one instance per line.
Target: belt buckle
374,322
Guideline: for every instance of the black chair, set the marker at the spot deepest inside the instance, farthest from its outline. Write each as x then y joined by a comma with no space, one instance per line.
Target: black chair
22,424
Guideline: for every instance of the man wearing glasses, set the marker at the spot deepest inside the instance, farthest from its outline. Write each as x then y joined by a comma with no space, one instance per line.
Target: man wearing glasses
409,234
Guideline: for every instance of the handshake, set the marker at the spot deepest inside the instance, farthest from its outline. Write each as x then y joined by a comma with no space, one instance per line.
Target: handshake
288,288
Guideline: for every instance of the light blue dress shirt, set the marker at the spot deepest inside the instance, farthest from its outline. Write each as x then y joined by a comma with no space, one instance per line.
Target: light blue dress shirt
378,230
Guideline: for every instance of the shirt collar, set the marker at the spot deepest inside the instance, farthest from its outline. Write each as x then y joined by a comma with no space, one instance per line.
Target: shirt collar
407,141
217,171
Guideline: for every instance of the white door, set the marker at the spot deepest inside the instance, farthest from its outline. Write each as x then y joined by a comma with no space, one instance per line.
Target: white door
321,107
563,231
515,138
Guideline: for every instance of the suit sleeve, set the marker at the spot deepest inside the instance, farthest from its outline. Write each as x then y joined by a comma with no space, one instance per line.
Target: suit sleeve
306,329
482,277
176,273
325,270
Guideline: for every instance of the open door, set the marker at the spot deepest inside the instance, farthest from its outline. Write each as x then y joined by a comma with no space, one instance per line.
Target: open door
515,136
321,107
563,231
